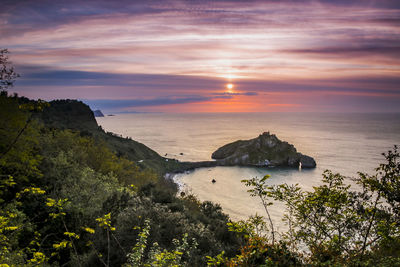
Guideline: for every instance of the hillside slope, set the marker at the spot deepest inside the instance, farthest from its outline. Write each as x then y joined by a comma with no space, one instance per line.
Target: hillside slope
75,115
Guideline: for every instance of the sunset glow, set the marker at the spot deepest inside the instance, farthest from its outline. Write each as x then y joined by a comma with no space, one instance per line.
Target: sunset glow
175,55
229,86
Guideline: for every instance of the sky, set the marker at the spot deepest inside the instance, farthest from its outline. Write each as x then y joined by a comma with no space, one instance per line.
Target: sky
207,56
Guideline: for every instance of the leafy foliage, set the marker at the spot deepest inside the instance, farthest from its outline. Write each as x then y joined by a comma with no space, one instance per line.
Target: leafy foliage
259,190
18,141
55,184
335,225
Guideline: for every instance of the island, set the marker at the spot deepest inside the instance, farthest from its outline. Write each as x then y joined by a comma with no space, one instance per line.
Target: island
264,151
98,113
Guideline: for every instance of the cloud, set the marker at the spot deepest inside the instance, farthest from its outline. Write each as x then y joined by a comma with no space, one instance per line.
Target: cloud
25,15
138,85
199,37
231,94
124,104
385,50
166,52
36,75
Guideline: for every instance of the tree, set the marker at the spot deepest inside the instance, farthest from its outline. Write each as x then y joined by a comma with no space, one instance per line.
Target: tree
7,73
19,131
261,189
19,137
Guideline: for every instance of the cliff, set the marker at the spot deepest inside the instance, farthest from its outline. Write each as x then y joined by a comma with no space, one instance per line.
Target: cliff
264,151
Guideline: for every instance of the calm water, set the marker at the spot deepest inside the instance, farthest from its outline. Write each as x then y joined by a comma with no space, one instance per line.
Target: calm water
344,143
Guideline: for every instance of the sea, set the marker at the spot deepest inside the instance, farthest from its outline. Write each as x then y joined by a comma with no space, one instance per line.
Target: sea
341,142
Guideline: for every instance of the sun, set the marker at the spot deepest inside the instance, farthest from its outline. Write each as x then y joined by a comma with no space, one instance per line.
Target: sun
229,86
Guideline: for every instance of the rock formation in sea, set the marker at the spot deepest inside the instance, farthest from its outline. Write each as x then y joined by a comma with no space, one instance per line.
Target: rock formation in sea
264,151
98,113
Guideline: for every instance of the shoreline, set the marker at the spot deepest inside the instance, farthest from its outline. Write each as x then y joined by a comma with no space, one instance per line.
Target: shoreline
172,177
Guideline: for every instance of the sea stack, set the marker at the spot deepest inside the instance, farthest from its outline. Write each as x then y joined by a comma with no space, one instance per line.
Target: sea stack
264,151
98,113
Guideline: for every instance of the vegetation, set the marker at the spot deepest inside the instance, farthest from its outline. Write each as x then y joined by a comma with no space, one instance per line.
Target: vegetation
334,225
67,198
73,195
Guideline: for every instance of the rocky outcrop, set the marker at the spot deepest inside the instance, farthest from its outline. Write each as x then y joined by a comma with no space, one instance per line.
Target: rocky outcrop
98,113
264,151
307,162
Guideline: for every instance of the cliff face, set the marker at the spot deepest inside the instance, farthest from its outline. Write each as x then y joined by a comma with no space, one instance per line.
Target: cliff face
265,150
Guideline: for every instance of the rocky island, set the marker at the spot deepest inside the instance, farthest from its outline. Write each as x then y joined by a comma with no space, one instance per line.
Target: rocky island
264,151
98,113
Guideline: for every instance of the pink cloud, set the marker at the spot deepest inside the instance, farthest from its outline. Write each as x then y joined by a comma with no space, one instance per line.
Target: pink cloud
319,48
